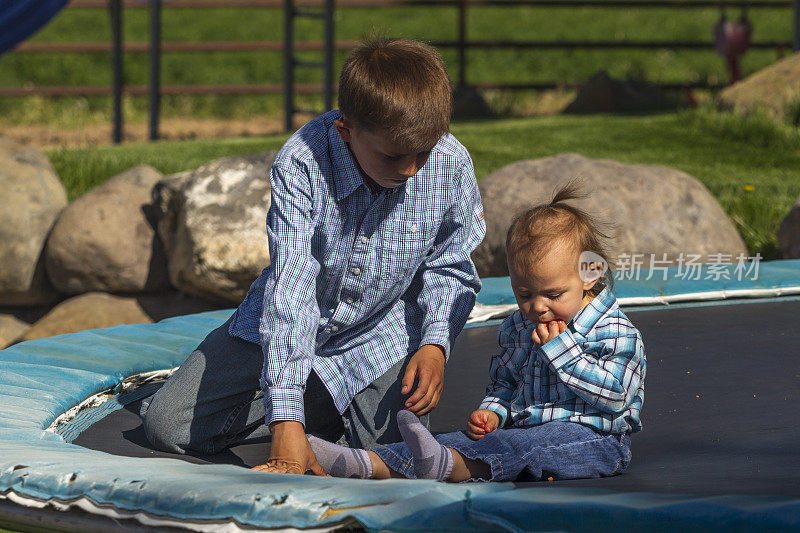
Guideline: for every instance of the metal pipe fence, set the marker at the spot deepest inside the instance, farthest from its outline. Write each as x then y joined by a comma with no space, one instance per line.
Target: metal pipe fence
117,47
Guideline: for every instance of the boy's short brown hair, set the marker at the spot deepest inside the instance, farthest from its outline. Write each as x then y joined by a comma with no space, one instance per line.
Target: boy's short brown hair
398,87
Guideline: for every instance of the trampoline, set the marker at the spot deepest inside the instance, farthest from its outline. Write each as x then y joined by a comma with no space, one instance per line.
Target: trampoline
718,451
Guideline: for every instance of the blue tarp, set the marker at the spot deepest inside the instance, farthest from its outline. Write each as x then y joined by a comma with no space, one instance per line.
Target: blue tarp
40,380
19,19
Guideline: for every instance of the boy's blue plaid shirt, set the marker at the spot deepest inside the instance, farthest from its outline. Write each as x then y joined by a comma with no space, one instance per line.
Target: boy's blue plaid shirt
592,374
358,279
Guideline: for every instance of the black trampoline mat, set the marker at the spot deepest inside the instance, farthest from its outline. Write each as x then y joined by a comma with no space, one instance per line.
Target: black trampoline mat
720,411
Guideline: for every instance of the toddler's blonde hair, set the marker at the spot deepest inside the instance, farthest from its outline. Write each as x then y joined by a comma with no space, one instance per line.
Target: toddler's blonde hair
537,230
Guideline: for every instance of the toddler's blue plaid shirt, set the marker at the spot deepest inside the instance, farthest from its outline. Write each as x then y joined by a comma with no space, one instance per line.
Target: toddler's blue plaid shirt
592,374
358,279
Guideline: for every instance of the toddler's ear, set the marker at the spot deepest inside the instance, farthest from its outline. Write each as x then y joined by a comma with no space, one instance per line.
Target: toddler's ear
591,275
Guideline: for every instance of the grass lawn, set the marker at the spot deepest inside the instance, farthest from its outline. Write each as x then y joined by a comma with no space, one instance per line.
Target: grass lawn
725,152
422,22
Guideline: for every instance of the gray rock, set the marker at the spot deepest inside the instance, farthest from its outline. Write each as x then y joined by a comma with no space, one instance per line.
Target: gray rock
87,311
603,94
213,225
652,209
789,233
106,239
774,90
32,197
11,329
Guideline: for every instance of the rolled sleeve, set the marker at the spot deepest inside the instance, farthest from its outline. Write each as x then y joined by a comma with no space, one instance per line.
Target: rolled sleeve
498,407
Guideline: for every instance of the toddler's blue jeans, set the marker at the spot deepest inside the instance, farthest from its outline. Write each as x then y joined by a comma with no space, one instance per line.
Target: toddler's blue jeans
561,450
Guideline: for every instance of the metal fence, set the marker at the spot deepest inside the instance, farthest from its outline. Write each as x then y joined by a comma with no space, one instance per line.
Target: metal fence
462,44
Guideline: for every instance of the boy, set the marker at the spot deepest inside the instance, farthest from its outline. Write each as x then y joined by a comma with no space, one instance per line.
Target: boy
375,212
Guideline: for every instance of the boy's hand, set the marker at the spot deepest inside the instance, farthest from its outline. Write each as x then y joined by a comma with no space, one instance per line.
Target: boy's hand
427,367
482,422
290,452
548,331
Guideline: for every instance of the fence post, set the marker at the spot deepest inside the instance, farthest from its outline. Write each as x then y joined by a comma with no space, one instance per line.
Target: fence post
288,59
462,43
115,13
155,66
329,48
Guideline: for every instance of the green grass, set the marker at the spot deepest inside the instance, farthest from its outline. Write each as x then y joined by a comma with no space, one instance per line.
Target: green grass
725,152
431,23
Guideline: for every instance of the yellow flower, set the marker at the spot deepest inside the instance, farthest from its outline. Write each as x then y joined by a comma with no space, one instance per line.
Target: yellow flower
749,188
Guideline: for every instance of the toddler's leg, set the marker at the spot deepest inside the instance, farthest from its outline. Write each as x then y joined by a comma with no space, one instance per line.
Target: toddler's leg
434,461
431,459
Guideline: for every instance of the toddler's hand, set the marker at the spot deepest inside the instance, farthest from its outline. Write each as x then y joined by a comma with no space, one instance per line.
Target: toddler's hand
548,331
482,422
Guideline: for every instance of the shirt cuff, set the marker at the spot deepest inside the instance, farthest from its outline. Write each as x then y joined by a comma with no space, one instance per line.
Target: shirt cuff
438,333
562,350
497,407
284,403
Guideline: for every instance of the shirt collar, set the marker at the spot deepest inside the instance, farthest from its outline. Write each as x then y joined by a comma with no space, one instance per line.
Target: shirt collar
347,176
587,318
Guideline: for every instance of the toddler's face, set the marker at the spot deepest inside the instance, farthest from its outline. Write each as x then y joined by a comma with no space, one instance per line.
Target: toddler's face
552,289
386,163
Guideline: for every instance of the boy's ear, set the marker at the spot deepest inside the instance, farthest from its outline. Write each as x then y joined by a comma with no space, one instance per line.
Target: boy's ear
344,128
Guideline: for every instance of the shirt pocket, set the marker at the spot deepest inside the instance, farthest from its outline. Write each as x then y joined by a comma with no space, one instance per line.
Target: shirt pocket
398,255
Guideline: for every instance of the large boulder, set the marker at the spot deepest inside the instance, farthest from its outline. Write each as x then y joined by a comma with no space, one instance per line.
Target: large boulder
213,225
652,209
11,328
106,239
774,90
32,197
87,311
604,94
789,233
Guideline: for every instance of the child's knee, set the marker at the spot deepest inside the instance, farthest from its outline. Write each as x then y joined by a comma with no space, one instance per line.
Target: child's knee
162,426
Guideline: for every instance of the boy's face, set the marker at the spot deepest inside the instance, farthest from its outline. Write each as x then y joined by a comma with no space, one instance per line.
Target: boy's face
387,164
552,289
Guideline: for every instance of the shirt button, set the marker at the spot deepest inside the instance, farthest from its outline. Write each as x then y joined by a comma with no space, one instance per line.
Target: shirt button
349,300
364,240
356,271
334,328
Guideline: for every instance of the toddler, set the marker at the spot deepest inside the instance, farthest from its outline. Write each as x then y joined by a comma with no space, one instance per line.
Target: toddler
566,386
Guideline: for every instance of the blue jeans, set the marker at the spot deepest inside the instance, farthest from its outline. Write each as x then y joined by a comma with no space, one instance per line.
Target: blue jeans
214,400
561,450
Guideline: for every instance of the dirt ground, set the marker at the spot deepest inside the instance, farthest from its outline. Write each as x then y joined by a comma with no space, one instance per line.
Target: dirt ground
47,137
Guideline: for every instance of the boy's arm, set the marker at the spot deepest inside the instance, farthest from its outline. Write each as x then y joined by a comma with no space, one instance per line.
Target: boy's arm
443,292
504,376
446,284
290,313
609,380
